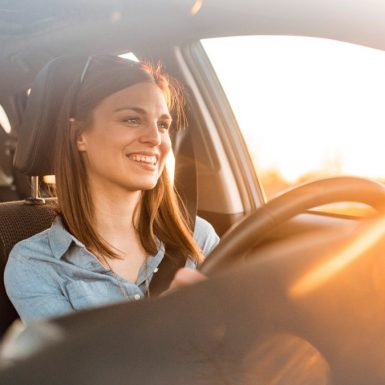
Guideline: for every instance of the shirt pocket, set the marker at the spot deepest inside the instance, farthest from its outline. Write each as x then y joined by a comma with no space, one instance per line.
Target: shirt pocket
87,294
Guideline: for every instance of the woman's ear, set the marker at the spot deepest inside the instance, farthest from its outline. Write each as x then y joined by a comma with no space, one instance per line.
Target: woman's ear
77,130
81,142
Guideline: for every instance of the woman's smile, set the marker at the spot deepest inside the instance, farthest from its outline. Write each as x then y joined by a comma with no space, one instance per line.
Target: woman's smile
145,162
142,158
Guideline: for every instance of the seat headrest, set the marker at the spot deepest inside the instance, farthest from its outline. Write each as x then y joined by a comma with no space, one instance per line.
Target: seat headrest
34,152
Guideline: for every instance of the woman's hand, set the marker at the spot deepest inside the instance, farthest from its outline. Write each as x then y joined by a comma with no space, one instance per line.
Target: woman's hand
185,276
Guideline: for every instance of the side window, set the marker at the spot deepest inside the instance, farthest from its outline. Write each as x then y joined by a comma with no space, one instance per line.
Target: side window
4,121
307,107
7,145
6,149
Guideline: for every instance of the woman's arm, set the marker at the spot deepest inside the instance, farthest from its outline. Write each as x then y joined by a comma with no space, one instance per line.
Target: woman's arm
186,276
206,238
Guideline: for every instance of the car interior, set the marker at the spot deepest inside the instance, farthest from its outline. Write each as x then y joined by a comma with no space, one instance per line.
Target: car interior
215,177
202,169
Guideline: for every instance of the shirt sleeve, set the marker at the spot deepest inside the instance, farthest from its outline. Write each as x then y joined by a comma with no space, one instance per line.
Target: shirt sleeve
205,236
32,289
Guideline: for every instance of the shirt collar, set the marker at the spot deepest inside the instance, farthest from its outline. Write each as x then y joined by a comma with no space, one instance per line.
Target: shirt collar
60,239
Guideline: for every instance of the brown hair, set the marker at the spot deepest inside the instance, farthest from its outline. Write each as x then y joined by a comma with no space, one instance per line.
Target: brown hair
162,216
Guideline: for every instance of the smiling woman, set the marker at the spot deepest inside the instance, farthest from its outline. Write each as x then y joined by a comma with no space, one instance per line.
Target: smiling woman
119,217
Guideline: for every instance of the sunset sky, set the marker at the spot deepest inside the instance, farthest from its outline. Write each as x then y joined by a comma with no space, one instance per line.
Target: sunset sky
306,104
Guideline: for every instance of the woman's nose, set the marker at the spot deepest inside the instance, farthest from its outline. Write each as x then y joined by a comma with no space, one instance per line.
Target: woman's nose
151,135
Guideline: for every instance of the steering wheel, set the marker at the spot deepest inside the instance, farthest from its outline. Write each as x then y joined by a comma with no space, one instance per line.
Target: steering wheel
252,230
219,320
225,316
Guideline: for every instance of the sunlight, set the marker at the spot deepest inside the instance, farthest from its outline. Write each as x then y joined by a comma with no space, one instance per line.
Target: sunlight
170,165
319,275
306,106
196,7
4,122
129,56
281,359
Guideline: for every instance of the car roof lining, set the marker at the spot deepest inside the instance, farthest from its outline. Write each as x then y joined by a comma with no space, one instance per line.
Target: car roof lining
35,36
262,17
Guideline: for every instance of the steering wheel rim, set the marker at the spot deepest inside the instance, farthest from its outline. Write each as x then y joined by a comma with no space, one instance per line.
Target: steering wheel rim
253,229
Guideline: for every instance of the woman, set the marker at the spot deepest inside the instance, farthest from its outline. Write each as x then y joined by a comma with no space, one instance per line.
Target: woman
117,207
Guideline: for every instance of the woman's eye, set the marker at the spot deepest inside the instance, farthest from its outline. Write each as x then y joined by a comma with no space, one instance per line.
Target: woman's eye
132,120
164,125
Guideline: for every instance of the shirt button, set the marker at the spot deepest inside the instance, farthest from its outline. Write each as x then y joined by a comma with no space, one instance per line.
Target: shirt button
137,296
156,270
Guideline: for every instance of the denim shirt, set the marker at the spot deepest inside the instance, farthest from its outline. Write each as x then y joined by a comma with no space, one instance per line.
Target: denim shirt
52,273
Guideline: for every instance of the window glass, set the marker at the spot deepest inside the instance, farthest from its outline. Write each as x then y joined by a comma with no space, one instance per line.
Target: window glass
4,121
308,108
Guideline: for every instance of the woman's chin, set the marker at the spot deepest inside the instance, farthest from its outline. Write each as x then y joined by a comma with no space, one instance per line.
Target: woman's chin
146,186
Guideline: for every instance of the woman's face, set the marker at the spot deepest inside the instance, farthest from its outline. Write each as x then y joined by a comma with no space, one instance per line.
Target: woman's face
127,143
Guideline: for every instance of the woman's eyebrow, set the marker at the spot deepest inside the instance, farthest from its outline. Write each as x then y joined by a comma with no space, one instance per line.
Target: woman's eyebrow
132,108
141,111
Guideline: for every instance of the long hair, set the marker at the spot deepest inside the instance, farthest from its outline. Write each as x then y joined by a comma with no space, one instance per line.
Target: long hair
162,216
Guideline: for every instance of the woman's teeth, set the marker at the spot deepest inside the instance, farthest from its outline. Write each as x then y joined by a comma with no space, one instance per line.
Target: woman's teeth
144,159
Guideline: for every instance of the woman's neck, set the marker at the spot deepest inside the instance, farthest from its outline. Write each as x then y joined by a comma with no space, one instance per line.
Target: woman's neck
114,221
114,217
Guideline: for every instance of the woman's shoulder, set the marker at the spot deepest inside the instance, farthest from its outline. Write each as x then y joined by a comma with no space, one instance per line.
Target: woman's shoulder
32,259
38,246
201,225
24,260
205,235
36,243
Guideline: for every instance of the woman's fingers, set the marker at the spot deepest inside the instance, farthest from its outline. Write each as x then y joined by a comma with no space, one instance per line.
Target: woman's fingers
186,276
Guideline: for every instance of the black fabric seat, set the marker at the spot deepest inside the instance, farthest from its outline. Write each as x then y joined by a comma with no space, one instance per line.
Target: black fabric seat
18,221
